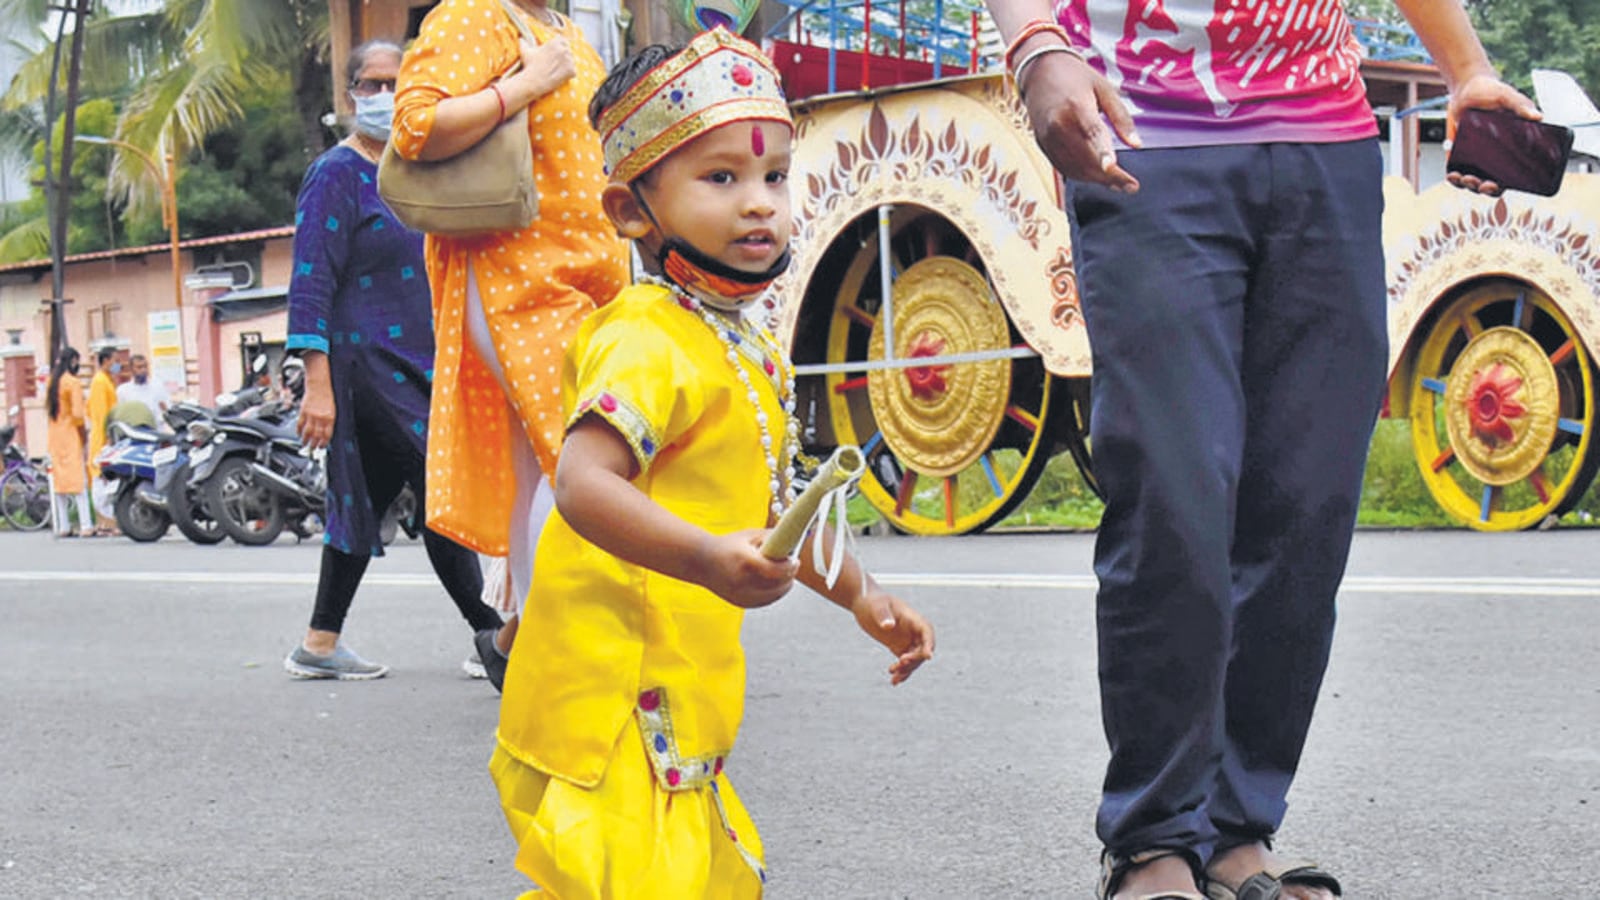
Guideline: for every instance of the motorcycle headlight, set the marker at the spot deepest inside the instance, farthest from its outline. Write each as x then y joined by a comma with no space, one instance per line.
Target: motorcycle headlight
199,431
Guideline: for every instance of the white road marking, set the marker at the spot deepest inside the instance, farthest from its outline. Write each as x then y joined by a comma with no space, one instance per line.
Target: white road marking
1355,584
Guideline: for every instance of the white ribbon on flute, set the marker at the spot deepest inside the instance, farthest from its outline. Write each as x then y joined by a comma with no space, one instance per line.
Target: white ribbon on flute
825,497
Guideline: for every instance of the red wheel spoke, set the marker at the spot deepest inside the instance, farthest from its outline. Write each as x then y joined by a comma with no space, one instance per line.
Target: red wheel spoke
1443,459
908,486
1023,417
1537,482
853,384
950,502
1563,352
859,316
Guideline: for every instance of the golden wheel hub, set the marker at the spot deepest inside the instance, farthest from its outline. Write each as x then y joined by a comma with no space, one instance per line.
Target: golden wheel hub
1502,406
940,418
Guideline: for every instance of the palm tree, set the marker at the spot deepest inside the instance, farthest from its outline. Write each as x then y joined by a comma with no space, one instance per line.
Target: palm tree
179,69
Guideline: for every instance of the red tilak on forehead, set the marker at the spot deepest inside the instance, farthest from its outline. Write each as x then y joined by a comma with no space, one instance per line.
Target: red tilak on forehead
758,141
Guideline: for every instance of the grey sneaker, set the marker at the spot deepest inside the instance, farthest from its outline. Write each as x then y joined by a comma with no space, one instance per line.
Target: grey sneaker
473,666
343,665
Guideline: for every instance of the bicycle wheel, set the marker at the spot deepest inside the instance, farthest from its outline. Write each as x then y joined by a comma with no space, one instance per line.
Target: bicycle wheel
25,498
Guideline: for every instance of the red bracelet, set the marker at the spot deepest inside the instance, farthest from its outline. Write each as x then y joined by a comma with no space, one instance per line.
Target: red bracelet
1031,29
500,97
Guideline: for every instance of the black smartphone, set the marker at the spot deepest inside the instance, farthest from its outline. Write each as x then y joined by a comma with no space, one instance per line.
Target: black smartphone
1517,154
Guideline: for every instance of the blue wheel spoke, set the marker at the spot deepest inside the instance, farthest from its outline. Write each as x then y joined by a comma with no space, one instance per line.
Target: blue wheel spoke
1570,426
1434,384
994,480
1522,305
872,443
1488,503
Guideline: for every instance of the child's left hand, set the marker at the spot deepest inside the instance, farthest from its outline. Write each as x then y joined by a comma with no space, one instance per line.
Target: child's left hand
897,626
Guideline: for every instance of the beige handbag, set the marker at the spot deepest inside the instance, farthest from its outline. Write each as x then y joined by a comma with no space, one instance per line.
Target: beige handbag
488,187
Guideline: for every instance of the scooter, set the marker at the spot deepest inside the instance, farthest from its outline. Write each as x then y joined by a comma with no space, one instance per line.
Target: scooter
185,504
128,468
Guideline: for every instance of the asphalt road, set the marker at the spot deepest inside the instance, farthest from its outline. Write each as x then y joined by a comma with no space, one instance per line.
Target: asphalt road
151,745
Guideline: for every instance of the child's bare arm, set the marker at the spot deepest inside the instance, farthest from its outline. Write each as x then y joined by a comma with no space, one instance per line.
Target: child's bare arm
596,496
880,614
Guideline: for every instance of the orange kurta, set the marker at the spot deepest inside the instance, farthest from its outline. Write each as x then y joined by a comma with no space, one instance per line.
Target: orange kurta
102,396
536,285
65,439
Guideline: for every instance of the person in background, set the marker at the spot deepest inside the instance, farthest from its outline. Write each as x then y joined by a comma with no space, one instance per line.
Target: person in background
102,397
142,389
359,316
506,305
1236,146
67,432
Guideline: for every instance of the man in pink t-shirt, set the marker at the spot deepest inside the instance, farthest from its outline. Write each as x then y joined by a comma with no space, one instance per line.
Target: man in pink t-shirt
1227,203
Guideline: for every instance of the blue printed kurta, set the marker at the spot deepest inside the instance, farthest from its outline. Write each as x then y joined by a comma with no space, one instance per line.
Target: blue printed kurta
359,293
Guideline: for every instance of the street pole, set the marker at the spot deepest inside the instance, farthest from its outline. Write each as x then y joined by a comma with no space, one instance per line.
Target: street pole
169,197
58,185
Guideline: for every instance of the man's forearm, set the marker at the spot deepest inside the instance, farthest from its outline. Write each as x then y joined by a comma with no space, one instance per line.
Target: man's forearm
1010,15
1446,31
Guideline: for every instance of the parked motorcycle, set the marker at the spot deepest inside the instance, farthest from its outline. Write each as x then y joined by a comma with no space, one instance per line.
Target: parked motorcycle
183,501
128,471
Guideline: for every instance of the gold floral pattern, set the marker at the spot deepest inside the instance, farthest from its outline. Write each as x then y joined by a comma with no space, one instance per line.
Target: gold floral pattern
918,153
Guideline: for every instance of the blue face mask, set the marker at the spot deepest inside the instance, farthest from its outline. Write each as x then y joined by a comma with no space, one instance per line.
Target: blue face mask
375,115
116,368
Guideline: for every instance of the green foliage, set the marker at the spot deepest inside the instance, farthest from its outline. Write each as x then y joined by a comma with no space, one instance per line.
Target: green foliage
245,177
249,173
1522,35
1393,494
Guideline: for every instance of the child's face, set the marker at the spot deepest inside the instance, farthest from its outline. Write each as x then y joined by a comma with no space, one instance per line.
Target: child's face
727,193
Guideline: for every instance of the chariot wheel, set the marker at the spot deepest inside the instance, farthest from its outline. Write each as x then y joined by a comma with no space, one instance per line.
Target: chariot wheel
1502,408
951,447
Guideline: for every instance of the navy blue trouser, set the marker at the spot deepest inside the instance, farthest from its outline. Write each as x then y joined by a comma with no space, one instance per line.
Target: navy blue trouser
1236,309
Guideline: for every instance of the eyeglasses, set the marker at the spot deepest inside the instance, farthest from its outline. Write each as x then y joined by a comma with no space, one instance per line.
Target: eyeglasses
366,87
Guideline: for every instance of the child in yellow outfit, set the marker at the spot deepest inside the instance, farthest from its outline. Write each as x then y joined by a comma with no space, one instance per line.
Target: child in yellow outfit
622,707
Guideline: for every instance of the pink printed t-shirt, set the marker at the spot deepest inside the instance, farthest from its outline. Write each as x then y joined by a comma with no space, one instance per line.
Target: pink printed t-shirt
1205,72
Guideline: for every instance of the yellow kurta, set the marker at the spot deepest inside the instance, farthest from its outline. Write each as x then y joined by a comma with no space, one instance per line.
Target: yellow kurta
630,672
537,285
65,439
102,396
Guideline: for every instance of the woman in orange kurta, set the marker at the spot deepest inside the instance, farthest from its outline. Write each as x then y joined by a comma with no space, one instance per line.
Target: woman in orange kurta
64,401
506,305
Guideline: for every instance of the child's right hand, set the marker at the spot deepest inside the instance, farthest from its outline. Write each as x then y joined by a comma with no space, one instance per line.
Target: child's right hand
735,569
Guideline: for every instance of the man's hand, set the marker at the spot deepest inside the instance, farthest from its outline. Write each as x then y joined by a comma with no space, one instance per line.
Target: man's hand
1484,91
1066,99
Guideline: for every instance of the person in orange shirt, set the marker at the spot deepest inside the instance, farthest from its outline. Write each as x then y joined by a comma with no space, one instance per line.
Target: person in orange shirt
64,402
506,305
102,396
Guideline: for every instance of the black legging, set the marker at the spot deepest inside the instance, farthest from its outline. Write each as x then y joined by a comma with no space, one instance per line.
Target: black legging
388,463
456,566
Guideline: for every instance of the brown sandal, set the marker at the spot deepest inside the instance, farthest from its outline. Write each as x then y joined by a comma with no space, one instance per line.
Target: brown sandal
1115,867
1268,884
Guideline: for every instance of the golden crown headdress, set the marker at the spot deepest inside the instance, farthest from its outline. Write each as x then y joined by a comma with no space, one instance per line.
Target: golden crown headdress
717,79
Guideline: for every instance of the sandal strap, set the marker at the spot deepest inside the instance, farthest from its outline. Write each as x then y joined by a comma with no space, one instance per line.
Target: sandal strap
1115,866
1268,884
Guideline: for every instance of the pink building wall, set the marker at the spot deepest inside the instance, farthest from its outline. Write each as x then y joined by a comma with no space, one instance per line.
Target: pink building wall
113,292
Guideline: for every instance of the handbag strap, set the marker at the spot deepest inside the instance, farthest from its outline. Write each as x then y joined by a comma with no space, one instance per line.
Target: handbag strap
511,10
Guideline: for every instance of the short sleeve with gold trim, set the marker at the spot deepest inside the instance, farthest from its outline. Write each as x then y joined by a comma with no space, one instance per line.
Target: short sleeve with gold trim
628,368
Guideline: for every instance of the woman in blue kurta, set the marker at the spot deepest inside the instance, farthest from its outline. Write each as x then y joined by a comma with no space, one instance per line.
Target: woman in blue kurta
360,314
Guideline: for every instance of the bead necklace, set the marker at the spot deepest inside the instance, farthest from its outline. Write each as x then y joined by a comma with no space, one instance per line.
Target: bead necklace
736,338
